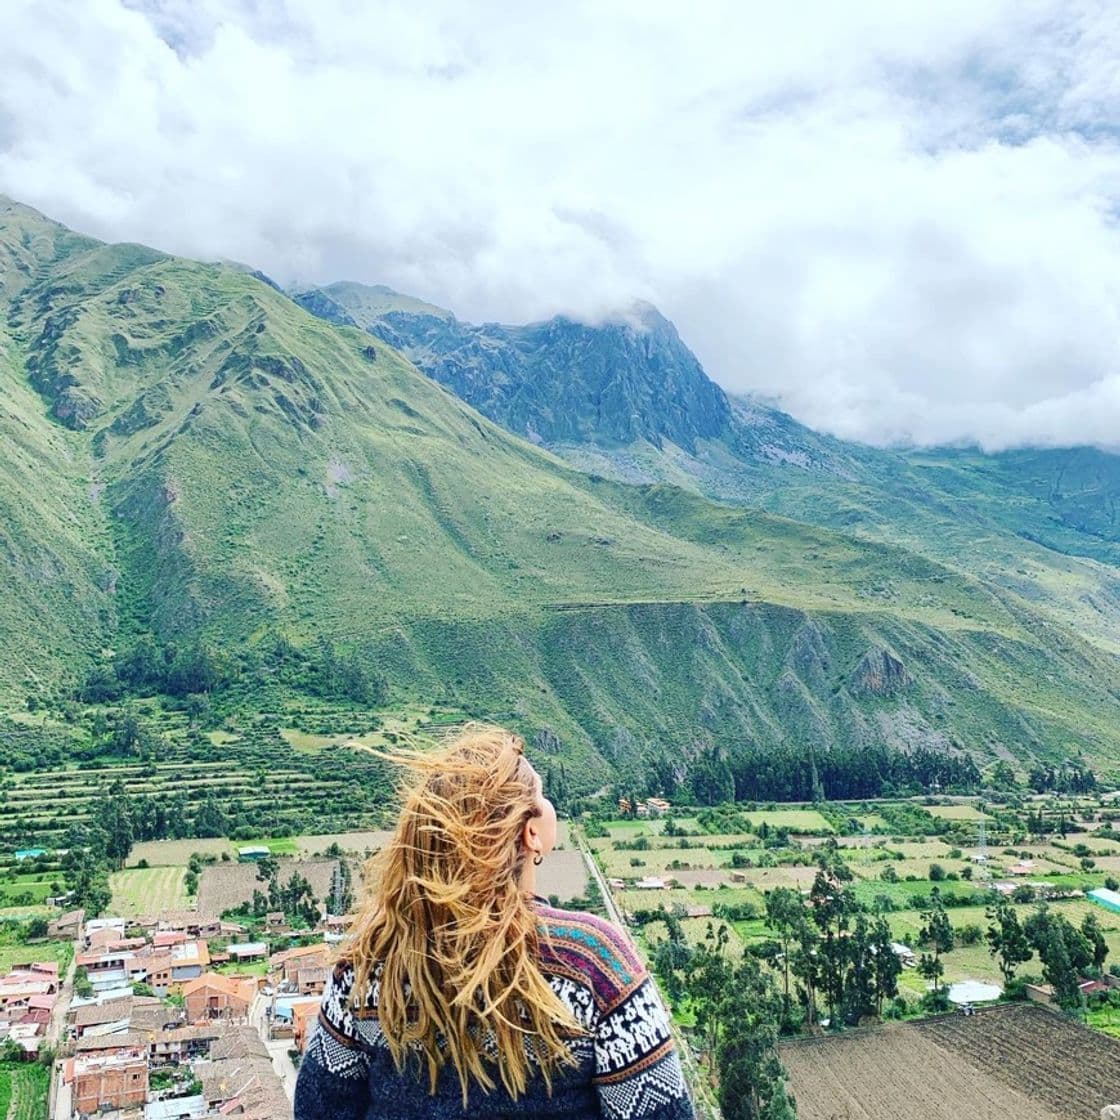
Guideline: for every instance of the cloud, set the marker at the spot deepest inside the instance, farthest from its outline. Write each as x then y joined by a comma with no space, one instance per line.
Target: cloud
898,219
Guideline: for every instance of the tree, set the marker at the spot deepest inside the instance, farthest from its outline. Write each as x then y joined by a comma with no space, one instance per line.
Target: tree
785,914
1092,932
1007,941
832,906
859,984
937,933
886,965
113,815
751,1078
1053,938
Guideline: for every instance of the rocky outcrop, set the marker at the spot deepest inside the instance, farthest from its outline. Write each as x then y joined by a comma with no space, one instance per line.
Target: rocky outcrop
880,673
626,379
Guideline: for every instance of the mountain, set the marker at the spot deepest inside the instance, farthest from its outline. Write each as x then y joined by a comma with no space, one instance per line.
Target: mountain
628,400
628,378
197,459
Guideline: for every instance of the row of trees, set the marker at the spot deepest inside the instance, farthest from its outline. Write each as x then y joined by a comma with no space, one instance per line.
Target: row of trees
738,1012
1066,952
195,669
781,773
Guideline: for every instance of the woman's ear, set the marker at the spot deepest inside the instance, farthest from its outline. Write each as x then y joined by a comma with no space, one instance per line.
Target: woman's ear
530,836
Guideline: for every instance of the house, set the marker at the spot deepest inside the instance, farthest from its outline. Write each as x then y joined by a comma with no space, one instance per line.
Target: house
650,883
312,981
111,1017
617,884
30,853
213,996
658,806
1023,867
181,1044
1102,896
95,924
253,853
66,927
101,1082
289,962
905,954
177,1108
189,922
156,972
304,1017
247,951
189,960
239,1079
165,938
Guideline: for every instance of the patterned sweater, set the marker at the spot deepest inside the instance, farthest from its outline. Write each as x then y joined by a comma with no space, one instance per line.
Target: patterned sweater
626,1065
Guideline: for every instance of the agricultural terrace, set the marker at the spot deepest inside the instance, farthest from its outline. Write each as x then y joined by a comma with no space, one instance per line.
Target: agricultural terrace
1018,1060
255,777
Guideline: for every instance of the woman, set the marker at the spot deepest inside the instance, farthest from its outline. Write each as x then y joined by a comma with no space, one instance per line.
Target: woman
463,994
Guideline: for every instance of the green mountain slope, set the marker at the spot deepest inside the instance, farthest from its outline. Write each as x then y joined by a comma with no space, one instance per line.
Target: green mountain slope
628,399
202,458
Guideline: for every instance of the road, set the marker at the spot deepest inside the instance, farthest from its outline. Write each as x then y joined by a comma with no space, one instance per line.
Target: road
59,1105
277,1048
702,1096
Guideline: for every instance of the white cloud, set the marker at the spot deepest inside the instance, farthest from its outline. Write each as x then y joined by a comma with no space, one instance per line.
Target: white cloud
898,218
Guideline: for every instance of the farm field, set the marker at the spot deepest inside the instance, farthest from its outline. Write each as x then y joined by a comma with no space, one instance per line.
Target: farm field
23,1090
796,820
956,812
356,843
563,874
1016,1060
141,891
225,886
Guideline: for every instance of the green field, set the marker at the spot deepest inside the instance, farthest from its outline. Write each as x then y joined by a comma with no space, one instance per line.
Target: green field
143,891
24,1087
796,820
956,812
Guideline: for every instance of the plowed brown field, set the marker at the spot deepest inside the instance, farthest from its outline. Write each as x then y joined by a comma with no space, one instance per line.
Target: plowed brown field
1019,1061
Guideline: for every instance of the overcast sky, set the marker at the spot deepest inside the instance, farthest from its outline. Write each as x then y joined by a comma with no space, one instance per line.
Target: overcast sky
899,218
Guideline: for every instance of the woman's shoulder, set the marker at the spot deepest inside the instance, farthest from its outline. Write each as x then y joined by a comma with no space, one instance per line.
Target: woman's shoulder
591,946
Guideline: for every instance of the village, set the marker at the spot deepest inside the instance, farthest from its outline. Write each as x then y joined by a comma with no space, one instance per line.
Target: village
176,1015
194,993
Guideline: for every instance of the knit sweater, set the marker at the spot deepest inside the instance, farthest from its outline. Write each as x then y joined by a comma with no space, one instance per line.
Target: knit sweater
626,1066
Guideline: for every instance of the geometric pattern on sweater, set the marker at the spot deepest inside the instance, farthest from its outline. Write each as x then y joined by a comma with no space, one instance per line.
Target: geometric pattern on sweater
659,1090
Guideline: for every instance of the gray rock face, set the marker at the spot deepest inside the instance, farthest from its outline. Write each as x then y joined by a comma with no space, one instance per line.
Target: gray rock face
560,381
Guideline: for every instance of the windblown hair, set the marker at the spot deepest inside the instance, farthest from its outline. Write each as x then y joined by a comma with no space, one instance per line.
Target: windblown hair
449,935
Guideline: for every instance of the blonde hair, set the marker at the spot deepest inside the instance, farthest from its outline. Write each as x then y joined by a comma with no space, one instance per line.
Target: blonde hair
449,929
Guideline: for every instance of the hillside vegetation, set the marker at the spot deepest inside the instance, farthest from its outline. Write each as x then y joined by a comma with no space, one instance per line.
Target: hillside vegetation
198,461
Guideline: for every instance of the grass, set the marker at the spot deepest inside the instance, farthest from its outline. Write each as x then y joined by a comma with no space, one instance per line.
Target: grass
796,820
277,845
251,968
24,1087
142,891
956,812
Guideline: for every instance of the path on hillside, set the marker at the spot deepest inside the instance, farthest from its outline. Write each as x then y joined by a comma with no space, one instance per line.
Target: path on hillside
706,1106
59,1095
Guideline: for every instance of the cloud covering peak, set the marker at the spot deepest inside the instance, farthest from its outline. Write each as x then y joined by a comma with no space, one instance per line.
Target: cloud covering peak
898,219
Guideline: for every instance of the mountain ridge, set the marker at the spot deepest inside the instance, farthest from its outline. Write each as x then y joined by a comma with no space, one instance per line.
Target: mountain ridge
240,471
